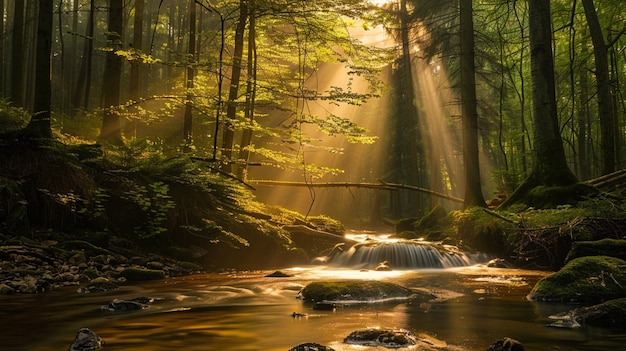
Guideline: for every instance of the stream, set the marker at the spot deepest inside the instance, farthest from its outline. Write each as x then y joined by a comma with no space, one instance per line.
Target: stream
477,305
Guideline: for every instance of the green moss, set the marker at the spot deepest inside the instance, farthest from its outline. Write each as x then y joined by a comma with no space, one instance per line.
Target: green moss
607,247
608,314
553,196
353,290
586,279
135,274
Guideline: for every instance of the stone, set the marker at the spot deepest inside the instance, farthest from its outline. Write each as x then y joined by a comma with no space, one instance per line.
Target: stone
310,346
591,279
86,340
381,337
506,344
5,289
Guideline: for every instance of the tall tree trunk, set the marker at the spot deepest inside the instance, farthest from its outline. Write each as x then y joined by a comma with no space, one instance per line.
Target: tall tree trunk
550,167
83,81
191,52
605,106
246,137
233,93
39,125
408,123
2,67
111,131
584,166
17,55
469,114
135,65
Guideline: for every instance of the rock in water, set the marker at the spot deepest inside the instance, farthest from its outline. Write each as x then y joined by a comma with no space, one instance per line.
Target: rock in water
86,340
506,344
380,337
309,346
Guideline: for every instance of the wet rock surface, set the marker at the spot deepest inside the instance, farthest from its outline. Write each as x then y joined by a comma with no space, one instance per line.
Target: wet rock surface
356,292
384,338
310,346
506,344
86,340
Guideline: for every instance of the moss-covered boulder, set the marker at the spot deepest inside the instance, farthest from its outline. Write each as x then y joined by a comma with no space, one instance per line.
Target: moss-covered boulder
137,274
609,314
357,291
605,247
591,279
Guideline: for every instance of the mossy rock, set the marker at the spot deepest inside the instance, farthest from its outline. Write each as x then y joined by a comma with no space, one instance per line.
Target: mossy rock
137,274
605,247
554,196
433,219
591,279
609,314
361,291
98,285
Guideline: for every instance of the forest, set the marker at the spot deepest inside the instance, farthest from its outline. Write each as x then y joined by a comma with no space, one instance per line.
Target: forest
152,117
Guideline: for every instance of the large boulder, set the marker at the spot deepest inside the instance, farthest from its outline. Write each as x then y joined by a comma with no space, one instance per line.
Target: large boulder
354,291
591,279
605,247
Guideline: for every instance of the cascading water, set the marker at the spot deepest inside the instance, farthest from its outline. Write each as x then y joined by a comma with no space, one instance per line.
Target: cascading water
403,254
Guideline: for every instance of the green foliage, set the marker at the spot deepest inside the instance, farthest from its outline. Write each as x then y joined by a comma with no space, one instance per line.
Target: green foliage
12,118
155,203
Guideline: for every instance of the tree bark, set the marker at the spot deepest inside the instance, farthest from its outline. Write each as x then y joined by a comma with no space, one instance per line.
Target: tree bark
233,93
549,167
246,137
17,55
39,125
111,129
603,86
469,114
136,65
191,52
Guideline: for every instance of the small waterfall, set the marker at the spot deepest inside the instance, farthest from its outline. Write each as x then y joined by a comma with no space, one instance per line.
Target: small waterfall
403,254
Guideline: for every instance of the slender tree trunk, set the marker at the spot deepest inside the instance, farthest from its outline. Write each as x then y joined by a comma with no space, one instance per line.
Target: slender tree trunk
233,93
111,129
584,166
136,65
605,106
473,187
17,55
246,138
2,68
39,125
83,81
191,52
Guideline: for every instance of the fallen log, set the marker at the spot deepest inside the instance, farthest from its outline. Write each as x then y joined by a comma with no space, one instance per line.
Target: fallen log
381,186
300,228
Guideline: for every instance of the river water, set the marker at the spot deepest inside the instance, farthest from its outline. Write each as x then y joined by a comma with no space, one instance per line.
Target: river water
248,311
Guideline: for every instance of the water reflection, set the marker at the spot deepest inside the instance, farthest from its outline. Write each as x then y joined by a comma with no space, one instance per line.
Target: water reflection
248,311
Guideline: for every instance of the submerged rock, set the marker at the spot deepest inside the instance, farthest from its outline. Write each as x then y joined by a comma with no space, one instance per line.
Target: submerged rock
278,274
123,305
310,346
98,285
354,291
590,279
506,344
381,337
86,340
609,314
